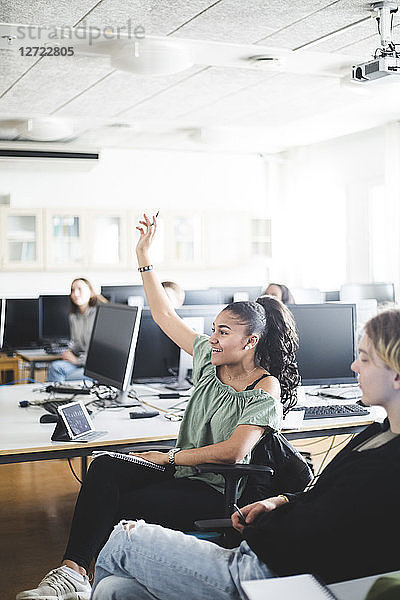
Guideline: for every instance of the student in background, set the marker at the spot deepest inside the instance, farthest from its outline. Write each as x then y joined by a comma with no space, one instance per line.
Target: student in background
83,302
281,292
174,292
342,528
244,375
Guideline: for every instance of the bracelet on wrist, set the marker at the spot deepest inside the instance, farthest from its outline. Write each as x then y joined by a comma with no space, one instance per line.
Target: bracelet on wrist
146,268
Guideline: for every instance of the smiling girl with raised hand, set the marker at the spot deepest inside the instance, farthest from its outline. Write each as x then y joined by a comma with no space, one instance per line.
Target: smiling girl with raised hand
244,376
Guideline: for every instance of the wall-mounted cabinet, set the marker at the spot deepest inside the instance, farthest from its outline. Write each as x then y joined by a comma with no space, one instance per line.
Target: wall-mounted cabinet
21,239
102,239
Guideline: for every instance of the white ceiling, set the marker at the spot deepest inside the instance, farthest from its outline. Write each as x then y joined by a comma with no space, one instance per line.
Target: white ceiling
235,108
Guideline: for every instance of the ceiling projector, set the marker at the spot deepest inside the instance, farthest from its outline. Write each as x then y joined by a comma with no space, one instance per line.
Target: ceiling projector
376,68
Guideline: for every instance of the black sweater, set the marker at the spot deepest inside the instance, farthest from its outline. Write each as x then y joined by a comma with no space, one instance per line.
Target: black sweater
343,528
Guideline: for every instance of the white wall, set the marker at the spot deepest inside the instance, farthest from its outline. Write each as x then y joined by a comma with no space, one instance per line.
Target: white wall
322,224
142,180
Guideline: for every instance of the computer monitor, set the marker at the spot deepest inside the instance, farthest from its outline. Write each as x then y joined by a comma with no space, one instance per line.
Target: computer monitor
203,296
120,294
21,323
239,292
53,318
327,342
156,354
382,292
157,357
112,347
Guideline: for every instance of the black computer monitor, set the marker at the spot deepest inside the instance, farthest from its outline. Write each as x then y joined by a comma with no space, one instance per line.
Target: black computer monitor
381,292
21,323
112,347
327,342
203,296
157,356
53,318
120,294
240,292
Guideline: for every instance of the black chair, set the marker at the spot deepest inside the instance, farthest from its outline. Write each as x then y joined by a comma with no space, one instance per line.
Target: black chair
275,467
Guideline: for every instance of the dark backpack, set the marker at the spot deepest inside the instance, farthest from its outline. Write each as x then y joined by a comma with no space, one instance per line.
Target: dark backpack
292,471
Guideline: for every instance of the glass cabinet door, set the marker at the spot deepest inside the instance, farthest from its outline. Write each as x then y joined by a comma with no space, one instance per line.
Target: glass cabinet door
64,231
108,235
22,244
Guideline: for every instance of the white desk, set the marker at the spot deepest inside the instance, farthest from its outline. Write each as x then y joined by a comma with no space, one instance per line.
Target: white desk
23,438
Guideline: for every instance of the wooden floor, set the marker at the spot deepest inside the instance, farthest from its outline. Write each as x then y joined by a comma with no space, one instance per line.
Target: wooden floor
36,505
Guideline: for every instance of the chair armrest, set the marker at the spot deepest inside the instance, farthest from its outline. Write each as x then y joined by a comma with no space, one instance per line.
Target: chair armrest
232,475
238,469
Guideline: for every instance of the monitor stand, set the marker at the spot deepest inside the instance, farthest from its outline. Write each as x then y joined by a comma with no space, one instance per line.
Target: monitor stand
127,399
185,365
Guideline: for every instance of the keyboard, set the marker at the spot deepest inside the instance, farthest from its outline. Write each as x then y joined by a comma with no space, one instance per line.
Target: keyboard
333,411
92,435
68,389
52,405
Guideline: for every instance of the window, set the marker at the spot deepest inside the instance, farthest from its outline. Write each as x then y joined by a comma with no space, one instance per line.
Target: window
261,237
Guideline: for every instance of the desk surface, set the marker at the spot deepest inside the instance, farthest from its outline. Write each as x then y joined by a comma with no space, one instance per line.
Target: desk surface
22,434
22,437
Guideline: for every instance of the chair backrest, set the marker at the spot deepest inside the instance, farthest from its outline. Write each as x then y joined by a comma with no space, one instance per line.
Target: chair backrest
292,471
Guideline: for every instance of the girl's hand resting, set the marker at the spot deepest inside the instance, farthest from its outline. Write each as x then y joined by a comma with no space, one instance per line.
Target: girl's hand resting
160,458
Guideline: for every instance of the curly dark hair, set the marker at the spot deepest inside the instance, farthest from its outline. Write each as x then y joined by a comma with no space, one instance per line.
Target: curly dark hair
270,319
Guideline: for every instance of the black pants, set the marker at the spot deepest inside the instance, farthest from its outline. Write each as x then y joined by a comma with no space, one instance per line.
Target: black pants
115,489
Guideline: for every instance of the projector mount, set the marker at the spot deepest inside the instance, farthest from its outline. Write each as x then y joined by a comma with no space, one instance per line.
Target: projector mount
384,12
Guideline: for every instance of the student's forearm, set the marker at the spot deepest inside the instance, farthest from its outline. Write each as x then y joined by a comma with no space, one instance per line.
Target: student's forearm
158,300
221,453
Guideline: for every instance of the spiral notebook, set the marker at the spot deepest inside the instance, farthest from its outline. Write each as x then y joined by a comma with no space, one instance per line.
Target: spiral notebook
298,587
134,459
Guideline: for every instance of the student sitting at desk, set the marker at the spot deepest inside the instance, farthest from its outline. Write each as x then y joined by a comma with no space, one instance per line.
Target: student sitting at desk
83,302
346,526
243,374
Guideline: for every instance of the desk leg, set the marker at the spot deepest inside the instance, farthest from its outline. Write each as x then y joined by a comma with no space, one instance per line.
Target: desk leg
83,467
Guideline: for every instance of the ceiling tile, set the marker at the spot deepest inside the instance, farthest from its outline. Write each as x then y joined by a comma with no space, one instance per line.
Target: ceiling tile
204,89
157,18
334,16
51,12
247,22
53,81
120,92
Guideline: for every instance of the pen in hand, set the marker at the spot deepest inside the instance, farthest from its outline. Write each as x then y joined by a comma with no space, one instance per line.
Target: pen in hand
242,518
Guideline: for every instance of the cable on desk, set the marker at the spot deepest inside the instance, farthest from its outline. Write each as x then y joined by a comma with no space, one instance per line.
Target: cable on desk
27,379
73,471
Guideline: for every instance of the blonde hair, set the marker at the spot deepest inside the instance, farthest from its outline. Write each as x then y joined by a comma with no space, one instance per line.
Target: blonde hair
384,332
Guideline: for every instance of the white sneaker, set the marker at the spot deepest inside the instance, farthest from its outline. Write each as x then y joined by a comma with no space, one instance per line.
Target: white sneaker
59,584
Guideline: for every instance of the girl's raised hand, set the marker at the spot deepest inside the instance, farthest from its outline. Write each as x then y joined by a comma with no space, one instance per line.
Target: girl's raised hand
147,229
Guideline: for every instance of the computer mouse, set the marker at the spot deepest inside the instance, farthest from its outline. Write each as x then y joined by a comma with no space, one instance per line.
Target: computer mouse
48,418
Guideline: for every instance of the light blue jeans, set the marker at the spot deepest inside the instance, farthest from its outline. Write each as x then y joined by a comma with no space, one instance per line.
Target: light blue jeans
63,370
151,562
